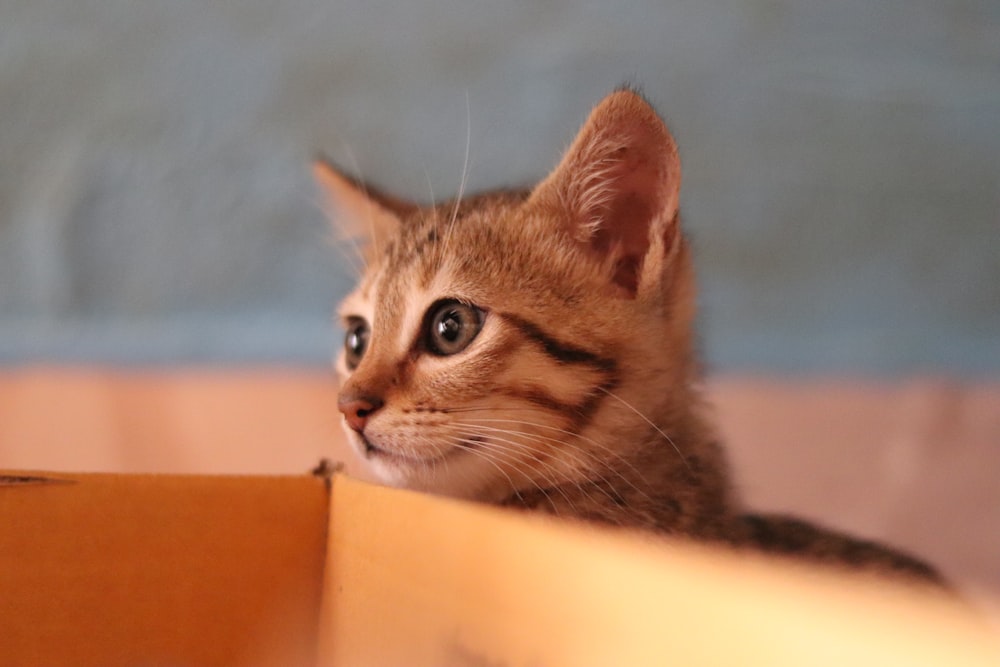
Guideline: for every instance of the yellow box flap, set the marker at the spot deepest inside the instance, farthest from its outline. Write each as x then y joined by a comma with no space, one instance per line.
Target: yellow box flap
423,582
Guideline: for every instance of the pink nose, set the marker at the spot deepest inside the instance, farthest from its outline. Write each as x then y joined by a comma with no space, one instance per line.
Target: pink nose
358,410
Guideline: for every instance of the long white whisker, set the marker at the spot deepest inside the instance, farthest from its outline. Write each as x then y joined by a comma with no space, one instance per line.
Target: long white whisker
515,447
492,454
603,464
355,258
611,452
465,445
492,409
465,164
574,452
430,186
372,237
448,232
650,422
568,448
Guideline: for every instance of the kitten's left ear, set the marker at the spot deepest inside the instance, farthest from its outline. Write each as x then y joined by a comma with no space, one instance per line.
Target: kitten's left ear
617,187
356,210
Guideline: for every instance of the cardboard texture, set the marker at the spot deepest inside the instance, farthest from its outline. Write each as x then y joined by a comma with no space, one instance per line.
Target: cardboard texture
154,570
421,581
159,570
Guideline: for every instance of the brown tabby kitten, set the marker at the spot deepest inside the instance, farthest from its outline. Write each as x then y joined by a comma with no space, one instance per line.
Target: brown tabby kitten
534,349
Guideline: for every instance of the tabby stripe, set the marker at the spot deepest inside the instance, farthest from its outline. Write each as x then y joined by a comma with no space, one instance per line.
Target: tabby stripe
542,399
563,353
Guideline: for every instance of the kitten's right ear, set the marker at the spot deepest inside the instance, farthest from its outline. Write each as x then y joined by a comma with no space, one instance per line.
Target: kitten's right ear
356,210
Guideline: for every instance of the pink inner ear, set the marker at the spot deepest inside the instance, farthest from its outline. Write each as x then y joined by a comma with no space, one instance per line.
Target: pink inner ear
619,179
624,233
634,197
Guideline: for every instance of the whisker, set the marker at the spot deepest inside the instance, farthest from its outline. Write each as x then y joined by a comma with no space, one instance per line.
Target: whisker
593,457
494,454
492,409
465,165
430,186
650,422
610,451
466,445
372,237
489,408
444,249
573,451
355,258
517,448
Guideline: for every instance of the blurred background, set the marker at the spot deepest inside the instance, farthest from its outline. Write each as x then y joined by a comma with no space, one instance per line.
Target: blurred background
841,164
167,282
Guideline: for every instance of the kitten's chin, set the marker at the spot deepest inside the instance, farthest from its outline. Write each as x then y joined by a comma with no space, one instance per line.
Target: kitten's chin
452,472
374,451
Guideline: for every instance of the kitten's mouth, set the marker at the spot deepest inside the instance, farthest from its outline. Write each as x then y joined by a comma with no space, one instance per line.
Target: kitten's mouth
374,451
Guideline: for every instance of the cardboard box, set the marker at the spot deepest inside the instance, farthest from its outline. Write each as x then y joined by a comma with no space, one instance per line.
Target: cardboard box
208,570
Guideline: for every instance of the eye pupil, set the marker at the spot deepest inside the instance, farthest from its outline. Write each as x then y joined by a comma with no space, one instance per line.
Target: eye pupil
450,326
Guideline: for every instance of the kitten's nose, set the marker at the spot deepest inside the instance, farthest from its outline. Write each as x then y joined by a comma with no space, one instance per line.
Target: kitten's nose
357,410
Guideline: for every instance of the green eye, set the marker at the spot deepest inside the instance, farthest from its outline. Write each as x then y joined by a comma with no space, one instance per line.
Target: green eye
451,327
355,341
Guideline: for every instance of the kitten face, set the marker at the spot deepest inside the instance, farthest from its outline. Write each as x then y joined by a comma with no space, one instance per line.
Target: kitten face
520,341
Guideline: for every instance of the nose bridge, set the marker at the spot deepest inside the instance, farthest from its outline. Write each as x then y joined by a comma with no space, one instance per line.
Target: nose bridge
382,367
362,394
394,322
369,381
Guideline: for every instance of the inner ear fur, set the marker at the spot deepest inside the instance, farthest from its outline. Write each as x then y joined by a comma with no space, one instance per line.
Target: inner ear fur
356,210
617,187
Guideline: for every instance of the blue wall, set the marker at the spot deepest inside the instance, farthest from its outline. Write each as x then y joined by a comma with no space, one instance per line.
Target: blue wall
842,164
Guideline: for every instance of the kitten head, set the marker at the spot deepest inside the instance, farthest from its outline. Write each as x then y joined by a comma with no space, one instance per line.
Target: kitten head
514,341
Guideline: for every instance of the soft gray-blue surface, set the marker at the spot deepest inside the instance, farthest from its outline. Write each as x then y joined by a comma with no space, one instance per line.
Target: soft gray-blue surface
842,164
